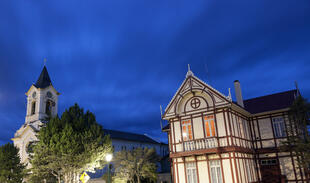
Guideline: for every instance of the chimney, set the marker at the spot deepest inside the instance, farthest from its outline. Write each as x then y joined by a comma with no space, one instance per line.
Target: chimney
238,93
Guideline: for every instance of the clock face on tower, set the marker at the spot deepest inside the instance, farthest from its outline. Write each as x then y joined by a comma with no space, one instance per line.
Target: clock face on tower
49,94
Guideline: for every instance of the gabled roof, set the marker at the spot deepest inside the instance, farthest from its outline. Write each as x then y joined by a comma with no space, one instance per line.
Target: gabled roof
44,80
114,134
271,102
188,82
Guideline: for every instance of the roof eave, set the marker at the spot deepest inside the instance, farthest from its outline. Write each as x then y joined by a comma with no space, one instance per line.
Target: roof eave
270,112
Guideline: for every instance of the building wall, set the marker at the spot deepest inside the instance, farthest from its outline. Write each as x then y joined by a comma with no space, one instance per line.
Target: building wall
118,145
233,167
265,139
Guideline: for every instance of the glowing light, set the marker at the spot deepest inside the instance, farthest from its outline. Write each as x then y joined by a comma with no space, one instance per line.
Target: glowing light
109,157
184,134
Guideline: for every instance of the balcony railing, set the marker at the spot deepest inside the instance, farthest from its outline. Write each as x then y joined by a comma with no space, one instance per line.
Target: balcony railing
199,144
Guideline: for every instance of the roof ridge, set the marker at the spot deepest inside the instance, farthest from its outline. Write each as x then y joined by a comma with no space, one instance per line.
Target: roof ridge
270,94
125,132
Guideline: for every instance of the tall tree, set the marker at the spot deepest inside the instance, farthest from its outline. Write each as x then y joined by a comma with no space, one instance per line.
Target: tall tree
136,165
298,141
69,145
11,169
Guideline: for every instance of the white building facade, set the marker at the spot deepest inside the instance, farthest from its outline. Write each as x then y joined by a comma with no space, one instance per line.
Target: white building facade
214,140
126,141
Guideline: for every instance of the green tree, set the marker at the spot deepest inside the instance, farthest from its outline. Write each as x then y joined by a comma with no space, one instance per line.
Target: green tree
298,141
69,145
136,165
11,169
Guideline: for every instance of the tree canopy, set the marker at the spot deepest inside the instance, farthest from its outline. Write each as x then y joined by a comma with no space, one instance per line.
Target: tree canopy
136,165
298,141
11,169
69,145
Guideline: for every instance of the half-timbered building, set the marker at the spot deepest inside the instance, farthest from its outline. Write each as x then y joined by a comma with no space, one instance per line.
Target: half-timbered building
213,139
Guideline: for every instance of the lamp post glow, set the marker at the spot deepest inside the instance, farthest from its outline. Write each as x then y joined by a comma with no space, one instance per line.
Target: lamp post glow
109,158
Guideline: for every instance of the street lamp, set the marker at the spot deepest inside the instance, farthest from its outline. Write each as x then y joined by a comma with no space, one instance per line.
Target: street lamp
109,158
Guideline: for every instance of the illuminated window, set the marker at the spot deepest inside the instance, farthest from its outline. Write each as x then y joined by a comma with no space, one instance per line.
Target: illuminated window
187,130
278,127
209,126
33,108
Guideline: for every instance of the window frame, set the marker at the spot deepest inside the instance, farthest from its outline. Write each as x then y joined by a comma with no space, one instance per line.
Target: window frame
278,125
187,130
216,171
191,172
209,124
33,107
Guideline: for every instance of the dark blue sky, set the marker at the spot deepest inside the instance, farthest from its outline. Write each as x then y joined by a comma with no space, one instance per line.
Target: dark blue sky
121,59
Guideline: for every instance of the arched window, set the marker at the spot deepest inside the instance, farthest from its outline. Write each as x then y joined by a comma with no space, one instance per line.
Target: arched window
48,108
33,107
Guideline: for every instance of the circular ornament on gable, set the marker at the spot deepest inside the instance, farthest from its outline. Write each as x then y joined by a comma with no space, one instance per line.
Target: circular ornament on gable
195,103
34,94
49,94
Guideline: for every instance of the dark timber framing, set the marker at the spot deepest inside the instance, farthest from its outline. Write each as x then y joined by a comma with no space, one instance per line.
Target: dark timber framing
240,139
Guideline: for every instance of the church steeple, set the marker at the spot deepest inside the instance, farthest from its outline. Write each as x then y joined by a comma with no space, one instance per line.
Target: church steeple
44,79
42,102
42,99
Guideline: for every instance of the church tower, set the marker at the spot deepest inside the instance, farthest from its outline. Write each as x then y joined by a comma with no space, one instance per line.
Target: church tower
42,102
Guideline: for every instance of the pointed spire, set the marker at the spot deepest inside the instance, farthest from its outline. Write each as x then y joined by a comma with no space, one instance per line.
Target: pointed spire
44,79
189,72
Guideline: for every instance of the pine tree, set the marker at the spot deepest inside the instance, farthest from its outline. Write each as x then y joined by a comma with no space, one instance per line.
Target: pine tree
69,145
298,141
136,165
11,169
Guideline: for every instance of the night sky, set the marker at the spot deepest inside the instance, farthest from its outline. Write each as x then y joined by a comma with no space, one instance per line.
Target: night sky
121,59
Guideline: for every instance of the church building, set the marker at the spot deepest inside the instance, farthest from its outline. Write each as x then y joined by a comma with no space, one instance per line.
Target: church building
215,140
42,102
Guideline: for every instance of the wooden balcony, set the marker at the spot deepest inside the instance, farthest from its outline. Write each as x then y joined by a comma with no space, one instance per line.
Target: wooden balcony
200,144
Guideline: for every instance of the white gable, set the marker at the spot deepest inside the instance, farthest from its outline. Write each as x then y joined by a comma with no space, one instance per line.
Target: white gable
194,95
